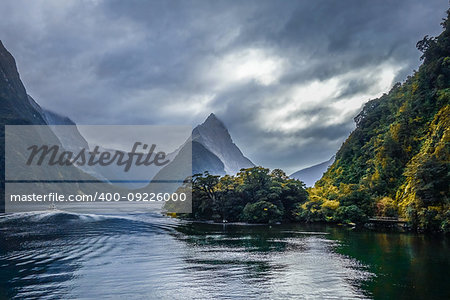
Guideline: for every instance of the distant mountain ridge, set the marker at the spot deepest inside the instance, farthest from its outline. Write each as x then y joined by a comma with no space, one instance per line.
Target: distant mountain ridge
70,137
49,116
310,175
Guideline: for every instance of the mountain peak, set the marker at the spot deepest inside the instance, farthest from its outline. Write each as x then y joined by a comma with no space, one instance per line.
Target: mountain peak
213,120
214,136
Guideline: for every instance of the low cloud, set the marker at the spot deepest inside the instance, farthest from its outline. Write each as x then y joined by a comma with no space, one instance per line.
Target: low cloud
287,78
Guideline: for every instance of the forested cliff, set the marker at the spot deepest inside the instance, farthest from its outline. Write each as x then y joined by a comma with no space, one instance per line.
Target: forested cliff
397,160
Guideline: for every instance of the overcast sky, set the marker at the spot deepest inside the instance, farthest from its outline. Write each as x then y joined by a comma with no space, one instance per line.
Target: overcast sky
286,77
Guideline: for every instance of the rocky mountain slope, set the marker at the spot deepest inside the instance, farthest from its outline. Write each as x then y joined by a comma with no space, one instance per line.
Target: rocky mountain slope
17,108
310,175
215,138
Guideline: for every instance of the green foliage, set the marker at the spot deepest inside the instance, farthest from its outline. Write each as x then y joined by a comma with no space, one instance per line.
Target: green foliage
254,195
386,207
261,212
350,214
397,160
309,212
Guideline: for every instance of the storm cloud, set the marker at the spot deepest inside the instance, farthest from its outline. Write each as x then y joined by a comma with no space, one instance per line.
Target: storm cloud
286,77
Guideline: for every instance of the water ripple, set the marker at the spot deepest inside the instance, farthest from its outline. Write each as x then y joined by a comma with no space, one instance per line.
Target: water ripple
65,255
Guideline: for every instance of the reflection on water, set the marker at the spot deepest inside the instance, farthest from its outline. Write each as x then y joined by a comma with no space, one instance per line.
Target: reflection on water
60,255
259,261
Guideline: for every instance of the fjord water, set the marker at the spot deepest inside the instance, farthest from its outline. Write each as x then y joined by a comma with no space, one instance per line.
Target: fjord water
57,255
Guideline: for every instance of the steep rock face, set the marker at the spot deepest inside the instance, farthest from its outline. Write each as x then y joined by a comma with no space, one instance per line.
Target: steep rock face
204,160
15,108
214,136
311,174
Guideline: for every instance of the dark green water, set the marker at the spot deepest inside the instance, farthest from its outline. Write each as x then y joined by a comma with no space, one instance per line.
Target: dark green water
140,256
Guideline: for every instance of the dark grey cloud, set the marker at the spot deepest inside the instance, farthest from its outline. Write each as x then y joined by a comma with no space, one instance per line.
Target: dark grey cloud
286,77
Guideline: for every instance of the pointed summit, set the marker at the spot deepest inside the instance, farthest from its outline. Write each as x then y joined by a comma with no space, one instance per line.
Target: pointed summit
211,129
213,120
214,136
211,116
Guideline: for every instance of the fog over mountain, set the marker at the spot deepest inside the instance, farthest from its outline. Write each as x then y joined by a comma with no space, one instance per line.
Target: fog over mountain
286,77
